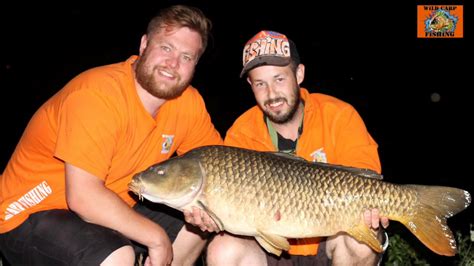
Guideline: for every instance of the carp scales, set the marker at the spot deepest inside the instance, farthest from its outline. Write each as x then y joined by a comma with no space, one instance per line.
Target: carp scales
274,196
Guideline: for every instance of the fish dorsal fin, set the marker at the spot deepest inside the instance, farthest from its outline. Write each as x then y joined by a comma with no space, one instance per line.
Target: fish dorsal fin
362,172
212,214
288,155
364,234
272,243
366,173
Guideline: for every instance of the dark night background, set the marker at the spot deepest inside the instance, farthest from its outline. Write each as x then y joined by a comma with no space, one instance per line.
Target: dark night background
365,54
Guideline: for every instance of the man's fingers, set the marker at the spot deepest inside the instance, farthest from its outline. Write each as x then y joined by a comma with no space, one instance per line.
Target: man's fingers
211,225
384,221
193,216
198,218
367,217
188,217
375,221
201,219
197,215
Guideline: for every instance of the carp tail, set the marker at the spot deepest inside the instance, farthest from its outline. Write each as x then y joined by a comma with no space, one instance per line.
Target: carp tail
428,220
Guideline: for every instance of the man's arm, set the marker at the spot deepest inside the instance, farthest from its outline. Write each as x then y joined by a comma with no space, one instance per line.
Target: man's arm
88,197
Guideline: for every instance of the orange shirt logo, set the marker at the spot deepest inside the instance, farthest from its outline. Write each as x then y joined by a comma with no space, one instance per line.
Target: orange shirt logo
28,200
167,143
319,156
440,21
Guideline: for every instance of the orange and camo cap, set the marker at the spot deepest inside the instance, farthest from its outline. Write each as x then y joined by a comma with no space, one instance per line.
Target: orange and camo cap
268,48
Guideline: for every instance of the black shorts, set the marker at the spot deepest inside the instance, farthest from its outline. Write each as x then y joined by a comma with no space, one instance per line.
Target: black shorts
320,259
60,237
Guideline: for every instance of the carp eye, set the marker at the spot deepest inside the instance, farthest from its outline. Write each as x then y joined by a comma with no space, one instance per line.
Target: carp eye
159,171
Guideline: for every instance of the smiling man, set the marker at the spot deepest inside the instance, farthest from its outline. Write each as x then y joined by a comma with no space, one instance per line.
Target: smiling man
64,196
314,126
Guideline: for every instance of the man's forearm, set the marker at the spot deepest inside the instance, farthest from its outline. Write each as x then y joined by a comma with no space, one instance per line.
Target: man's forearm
93,202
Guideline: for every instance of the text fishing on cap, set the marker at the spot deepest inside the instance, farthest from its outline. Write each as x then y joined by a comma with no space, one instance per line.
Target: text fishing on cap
268,48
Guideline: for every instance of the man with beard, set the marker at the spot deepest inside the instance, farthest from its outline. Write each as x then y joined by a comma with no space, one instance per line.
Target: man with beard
64,196
314,126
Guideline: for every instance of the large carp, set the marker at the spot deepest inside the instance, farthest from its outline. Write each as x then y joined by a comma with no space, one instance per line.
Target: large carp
274,196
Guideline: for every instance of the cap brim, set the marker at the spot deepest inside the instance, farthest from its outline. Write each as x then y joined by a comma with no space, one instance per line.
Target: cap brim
265,61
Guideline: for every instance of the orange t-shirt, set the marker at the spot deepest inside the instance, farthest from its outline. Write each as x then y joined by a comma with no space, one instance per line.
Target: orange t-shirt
333,132
98,123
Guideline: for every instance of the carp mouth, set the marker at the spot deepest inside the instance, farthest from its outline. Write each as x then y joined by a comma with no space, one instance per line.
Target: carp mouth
172,186
136,188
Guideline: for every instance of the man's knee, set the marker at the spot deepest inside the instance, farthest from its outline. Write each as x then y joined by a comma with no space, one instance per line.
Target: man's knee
343,249
227,249
121,256
223,248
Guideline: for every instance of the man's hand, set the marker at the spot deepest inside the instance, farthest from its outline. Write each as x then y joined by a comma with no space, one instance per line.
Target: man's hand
160,255
373,220
201,219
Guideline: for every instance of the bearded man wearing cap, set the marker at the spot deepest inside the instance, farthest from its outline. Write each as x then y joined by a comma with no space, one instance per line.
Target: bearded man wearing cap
314,126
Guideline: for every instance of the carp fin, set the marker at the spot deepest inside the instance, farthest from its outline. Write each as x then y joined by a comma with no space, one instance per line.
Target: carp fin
272,243
212,214
362,172
368,173
288,155
363,233
429,224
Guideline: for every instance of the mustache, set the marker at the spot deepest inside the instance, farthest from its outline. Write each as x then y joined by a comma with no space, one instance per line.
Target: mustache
274,100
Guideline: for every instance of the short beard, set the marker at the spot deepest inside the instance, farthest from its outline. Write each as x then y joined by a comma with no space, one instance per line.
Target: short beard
146,79
291,113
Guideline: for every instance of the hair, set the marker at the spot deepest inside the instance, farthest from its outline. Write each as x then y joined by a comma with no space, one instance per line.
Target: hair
295,56
294,65
182,16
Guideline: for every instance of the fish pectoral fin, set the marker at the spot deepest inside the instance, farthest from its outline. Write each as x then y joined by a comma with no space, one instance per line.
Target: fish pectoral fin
364,234
212,214
267,246
272,243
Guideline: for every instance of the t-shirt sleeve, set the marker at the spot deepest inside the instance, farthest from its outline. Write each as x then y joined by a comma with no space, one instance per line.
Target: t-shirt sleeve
200,130
233,138
86,135
250,132
354,145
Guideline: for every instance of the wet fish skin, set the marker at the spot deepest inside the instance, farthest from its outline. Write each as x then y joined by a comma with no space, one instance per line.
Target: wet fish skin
274,196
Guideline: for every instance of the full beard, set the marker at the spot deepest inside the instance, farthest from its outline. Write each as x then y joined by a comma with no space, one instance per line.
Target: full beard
146,78
283,117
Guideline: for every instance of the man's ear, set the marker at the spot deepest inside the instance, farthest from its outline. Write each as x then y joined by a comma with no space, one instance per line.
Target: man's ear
300,74
249,81
143,43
